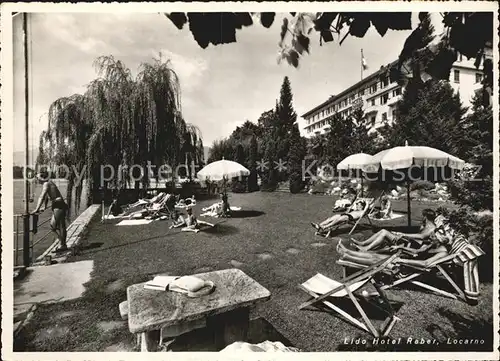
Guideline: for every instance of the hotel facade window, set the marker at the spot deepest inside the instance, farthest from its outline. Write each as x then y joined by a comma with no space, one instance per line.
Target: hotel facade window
396,92
379,85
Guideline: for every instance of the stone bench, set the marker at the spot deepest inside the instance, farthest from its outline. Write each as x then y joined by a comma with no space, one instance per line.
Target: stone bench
225,312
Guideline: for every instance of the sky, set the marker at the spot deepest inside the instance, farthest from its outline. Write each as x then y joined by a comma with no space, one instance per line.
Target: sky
222,86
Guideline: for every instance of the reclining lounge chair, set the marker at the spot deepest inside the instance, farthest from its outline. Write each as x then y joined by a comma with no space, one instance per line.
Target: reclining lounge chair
321,287
443,267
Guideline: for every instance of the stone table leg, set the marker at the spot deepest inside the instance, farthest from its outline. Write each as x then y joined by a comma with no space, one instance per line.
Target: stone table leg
150,341
229,327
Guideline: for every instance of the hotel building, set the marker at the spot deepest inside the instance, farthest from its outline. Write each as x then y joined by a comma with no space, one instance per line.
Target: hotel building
378,98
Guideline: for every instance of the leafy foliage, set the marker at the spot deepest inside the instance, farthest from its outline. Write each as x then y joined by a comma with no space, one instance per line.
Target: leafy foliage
295,158
476,189
478,228
252,163
284,125
430,115
467,33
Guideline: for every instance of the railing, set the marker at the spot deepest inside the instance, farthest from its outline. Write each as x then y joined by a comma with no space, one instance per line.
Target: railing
18,241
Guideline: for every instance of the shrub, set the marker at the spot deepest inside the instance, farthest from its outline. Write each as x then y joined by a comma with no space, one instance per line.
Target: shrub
478,228
319,186
296,184
238,187
252,184
422,185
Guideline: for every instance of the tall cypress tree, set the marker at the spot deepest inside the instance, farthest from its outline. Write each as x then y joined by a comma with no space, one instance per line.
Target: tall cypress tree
361,140
338,139
430,116
295,158
252,179
477,143
286,118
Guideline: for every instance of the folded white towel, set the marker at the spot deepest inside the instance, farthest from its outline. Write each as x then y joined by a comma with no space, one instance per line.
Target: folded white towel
190,285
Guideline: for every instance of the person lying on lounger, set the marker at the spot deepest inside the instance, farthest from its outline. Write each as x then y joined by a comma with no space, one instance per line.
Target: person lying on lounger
343,204
466,255
357,211
432,251
384,238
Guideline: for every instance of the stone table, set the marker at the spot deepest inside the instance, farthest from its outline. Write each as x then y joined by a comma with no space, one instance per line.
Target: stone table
226,310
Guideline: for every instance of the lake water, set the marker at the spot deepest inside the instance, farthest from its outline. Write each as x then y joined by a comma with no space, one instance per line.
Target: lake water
44,228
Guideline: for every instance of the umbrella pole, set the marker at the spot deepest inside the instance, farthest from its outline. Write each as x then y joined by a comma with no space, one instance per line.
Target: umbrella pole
409,202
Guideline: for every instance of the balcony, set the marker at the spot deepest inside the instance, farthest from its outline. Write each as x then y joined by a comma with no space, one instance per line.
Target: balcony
370,109
392,101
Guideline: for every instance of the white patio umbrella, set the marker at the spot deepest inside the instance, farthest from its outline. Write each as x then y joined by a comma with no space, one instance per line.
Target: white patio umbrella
355,162
399,158
222,170
407,156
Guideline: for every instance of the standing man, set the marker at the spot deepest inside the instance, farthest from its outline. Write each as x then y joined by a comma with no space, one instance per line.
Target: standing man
59,208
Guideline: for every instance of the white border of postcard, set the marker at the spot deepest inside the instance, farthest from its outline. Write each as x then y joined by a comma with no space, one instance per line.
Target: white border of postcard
7,147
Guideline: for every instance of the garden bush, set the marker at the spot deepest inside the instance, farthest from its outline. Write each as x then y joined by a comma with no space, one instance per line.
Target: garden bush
238,187
296,184
319,186
422,184
477,227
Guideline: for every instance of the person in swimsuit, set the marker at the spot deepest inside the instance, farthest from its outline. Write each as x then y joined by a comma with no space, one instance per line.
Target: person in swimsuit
354,214
186,221
385,238
370,258
59,208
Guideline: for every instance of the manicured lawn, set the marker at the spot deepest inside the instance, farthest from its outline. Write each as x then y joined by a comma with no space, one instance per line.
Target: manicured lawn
273,242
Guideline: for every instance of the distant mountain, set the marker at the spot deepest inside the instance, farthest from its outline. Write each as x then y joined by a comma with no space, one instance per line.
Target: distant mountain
206,151
18,157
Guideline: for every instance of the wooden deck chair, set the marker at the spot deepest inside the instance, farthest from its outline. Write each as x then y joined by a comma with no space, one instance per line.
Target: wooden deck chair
320,288
371,201
358,195
401,278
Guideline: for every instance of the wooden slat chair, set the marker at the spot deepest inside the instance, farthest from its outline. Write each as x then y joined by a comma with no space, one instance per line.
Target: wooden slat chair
369,210
320,287
437,267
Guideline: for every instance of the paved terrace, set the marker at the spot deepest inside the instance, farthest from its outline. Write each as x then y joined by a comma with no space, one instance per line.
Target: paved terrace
273,242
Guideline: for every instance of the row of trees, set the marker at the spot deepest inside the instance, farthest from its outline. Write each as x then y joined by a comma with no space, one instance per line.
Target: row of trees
429,113
120,120
272,148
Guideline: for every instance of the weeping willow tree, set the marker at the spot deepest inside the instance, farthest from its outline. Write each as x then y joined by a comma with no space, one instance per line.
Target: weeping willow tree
118,122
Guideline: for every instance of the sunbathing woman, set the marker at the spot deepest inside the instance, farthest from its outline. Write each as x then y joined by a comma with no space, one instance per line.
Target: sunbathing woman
466,255
386,209
359,208
385,238
189,223
370,258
